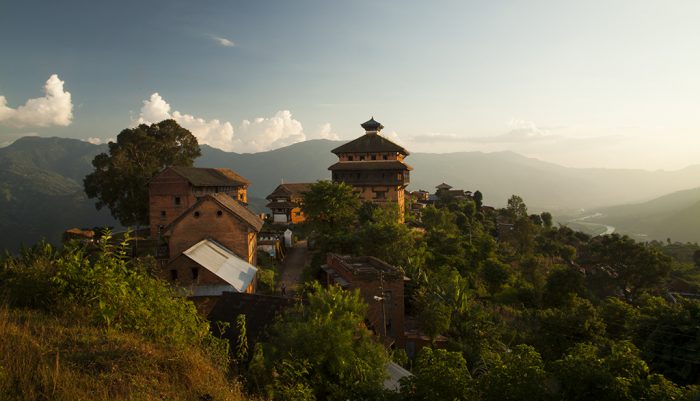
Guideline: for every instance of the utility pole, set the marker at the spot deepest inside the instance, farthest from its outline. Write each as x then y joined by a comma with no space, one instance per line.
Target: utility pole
381,287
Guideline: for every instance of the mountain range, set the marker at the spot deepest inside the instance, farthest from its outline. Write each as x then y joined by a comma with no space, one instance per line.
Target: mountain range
41,181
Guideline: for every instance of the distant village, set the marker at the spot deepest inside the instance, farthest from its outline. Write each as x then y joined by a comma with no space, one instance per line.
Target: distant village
208,239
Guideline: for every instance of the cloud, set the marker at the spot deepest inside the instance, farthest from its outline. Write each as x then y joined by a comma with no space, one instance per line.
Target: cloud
55,108
93,140
223,41
325,132
256,135
520,131
211,132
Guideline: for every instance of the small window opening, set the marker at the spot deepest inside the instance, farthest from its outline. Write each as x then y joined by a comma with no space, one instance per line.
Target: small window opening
196,215
374,157
195,273
177,201
350,158
162,213
219,213
385,157
173,275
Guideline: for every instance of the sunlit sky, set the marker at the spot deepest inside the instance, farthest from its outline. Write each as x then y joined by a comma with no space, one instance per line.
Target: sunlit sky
582,84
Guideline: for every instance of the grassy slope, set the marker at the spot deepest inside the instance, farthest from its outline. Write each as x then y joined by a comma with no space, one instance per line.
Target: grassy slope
44,358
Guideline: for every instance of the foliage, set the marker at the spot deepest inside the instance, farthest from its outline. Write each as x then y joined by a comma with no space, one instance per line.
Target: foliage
438,375
519,375
120,178
110,291
328,339
331,209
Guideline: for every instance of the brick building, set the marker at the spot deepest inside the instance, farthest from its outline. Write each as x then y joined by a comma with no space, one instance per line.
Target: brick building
381,286
373,165
175,189
212,246
285,203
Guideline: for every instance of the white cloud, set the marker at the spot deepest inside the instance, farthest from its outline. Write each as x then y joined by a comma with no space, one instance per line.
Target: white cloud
93,140
55,108
223,41
257,135
325,132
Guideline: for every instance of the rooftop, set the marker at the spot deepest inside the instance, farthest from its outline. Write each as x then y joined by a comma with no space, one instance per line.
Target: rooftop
290,189
371,142
208,177
371,125
366,265
222,262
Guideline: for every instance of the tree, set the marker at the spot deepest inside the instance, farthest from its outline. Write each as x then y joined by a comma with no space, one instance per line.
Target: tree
478,199
438,375
328,339
562,282
120,178
520,375
331,211
546,219
382,236
496,274
516,207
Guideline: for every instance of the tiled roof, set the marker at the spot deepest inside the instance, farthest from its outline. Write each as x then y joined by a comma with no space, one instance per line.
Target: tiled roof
237,208
370,165
231,205
281,205
370,143
210,177
291,189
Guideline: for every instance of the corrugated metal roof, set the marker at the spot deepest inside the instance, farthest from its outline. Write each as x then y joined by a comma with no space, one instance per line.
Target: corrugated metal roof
225,264
395,373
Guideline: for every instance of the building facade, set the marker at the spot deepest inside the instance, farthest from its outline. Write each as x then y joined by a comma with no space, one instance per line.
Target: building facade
176,189
212,247
285,203
381,285
373,165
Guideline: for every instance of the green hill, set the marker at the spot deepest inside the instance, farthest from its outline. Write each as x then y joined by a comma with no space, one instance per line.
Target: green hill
675,216
41,191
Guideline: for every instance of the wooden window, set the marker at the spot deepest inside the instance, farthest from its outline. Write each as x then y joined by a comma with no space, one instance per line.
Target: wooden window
162,213
349,158
195,273
173,275
384,156
196,215
362,158
177,201
374,157
219,213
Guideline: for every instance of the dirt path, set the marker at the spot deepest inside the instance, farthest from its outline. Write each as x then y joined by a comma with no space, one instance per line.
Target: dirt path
292,268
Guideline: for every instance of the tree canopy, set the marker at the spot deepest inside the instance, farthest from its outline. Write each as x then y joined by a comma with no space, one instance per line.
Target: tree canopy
120,179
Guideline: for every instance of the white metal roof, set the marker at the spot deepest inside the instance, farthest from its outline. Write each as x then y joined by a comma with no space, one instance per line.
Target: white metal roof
225,264
394,373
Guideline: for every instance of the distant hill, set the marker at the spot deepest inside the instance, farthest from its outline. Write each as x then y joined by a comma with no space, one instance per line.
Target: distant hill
675,216
41,191
41,181
543,186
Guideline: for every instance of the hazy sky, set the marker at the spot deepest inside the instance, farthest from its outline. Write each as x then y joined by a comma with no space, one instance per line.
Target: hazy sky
588,83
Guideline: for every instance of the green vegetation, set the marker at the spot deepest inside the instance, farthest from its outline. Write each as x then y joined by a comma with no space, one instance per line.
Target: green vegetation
120,179
98,326
531,311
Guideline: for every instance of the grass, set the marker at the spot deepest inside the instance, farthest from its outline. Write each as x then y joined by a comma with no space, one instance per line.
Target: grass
44,358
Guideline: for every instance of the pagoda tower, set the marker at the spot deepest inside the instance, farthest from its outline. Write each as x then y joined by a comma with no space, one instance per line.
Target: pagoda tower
373,165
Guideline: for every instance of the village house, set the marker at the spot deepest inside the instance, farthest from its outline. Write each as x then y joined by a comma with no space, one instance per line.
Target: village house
381,286
373,165
212,247
285,203
176,189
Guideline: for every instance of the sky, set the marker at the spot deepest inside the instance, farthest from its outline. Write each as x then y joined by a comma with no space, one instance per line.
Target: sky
611,84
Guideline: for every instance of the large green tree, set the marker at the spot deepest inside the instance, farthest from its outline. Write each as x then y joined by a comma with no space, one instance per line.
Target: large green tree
331,211
336,356
120,179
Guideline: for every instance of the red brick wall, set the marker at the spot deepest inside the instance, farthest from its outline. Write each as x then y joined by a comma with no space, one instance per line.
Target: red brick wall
226,229
162,191
369,288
